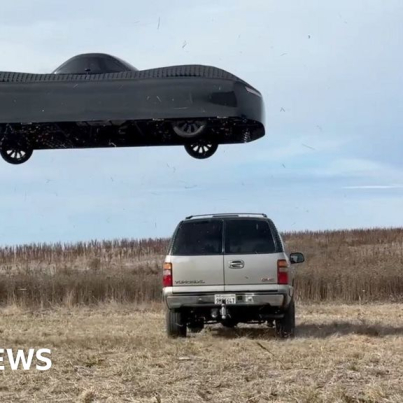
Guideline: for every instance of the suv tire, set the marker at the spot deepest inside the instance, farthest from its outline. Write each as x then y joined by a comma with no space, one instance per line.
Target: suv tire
285,327
175,324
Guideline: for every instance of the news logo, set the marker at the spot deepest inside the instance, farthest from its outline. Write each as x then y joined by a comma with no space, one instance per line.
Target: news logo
22,359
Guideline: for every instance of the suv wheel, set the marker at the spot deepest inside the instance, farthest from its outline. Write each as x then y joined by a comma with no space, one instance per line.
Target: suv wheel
175,324
285,327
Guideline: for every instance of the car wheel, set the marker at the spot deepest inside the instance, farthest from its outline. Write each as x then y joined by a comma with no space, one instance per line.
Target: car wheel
175,324
189,128
201,149
16,150
285,327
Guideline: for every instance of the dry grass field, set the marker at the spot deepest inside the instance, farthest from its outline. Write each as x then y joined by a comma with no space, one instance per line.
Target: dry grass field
119,353
97,306
343,266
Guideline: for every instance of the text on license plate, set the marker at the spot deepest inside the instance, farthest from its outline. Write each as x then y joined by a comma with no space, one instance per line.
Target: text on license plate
224,299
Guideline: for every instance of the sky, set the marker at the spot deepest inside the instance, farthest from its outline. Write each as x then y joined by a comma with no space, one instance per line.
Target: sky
330,75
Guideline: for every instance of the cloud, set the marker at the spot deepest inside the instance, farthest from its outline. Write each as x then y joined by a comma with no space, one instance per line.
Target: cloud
381,187
354,168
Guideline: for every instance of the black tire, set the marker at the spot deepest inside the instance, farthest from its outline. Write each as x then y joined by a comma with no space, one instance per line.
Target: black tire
175,324
201,148
285,327
189,129
15,151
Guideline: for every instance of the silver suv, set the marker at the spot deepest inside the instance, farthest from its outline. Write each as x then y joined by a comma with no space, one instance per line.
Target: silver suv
228,268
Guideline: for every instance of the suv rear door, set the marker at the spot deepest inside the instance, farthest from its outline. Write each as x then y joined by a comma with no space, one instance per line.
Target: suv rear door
197,256
250,259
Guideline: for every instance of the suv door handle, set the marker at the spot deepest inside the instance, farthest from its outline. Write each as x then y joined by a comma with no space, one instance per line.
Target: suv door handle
236,264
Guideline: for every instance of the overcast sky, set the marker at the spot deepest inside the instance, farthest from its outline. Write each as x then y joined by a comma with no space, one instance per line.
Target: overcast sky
331,77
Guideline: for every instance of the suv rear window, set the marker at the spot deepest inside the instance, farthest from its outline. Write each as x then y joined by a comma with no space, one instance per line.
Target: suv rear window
248,237
198,238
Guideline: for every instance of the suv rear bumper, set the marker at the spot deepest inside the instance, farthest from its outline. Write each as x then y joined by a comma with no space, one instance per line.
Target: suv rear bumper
278,299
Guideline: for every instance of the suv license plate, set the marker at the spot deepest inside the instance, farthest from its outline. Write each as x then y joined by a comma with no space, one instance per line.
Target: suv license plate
227,299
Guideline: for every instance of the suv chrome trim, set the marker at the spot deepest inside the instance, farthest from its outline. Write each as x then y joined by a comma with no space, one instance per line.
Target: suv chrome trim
218,215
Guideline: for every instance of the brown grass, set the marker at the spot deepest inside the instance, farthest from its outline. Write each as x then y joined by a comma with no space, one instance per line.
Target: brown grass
119,353
349,266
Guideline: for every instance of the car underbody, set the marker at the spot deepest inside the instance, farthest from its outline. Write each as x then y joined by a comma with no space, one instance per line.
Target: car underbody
18,140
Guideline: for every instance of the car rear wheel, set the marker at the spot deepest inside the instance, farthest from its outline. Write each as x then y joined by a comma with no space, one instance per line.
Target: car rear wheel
175,324
189,128
201,149
285,327
15,150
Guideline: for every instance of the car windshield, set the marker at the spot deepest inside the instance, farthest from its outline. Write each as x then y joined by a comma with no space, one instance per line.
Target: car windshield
93,64
198,238
248,237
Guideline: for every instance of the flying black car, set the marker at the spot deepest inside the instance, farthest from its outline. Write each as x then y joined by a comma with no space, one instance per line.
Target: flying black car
97,100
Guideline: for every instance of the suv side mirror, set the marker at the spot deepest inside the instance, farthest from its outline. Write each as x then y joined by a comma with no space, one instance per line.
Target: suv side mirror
297,258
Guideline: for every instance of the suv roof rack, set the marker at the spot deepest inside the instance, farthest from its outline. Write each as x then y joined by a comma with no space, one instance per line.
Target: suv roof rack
227,215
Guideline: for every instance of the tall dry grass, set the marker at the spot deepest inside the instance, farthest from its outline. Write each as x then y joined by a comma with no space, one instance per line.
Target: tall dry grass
356,265
349,266
82,273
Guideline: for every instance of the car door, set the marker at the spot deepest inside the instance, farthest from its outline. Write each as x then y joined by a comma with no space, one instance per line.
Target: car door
250,258
197,257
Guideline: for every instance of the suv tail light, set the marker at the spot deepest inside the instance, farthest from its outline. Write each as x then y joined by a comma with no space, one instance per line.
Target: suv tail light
167,275
282,271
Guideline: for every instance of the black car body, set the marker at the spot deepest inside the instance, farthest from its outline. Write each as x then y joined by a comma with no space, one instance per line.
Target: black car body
97,100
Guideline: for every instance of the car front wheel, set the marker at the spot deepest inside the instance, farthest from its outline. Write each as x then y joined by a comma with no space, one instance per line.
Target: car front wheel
201,148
